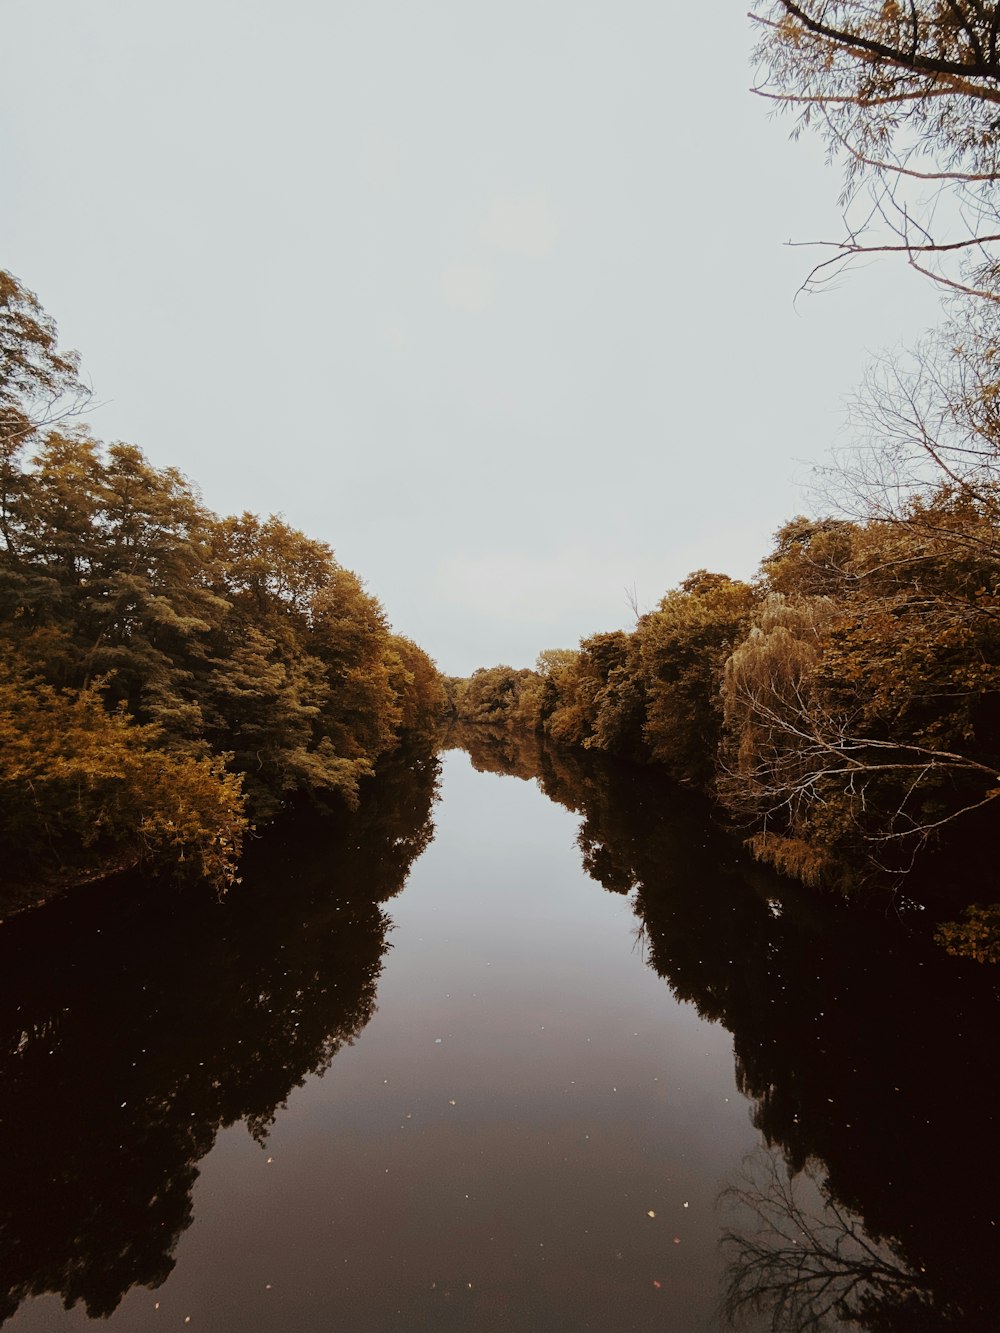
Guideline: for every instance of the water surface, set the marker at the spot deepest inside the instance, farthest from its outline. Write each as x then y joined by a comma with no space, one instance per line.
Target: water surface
508,1096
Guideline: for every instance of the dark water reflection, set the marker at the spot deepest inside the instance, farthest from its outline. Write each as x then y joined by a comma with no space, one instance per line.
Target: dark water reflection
870,1058
534,1132
136,1024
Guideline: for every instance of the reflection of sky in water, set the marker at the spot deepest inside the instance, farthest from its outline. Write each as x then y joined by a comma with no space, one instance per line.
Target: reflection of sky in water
512,1140
526,1094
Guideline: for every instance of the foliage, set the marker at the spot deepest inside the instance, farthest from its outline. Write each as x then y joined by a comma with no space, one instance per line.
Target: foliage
976,937
38,382
491,695
906,95
649,695
862,720
299,680
75,777
683,646
418,686
239,638
589,709
845,708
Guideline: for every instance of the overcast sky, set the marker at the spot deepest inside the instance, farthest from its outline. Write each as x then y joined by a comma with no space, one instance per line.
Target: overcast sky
493,297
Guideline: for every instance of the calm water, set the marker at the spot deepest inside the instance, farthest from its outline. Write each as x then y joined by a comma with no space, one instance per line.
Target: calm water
521,1075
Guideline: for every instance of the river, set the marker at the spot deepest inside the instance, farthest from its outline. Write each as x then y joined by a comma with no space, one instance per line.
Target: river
527,1044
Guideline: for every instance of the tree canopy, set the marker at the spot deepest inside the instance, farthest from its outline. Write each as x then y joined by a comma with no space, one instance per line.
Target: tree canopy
232,661
844,707
906,96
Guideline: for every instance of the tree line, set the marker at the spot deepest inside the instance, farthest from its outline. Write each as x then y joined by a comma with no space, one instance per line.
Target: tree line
167,675
844,704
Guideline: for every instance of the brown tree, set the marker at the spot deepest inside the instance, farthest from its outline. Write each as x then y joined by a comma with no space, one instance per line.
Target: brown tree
907,96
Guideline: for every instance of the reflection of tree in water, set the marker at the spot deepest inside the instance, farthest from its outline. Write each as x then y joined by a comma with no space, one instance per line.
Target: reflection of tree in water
807,1263
864,1049
135,1024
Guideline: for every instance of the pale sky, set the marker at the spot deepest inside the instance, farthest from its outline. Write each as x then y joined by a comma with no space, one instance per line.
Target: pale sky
493,297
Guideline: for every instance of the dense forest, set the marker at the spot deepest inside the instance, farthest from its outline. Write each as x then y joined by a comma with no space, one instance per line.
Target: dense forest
167,675
844,704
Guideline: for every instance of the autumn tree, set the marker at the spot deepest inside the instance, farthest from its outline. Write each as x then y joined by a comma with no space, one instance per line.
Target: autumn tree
418,686
543,695
863,707
491,694
39,384
309,686
895,713
683,647
234,654
83,790
241,631
906,96
580,684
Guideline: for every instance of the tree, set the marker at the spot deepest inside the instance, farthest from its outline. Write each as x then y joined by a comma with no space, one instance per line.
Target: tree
580,683
622,705
862,715
419,689
85,790
300,688
683,646
173,649
906,94
886,735
39,385
491,695
362,664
